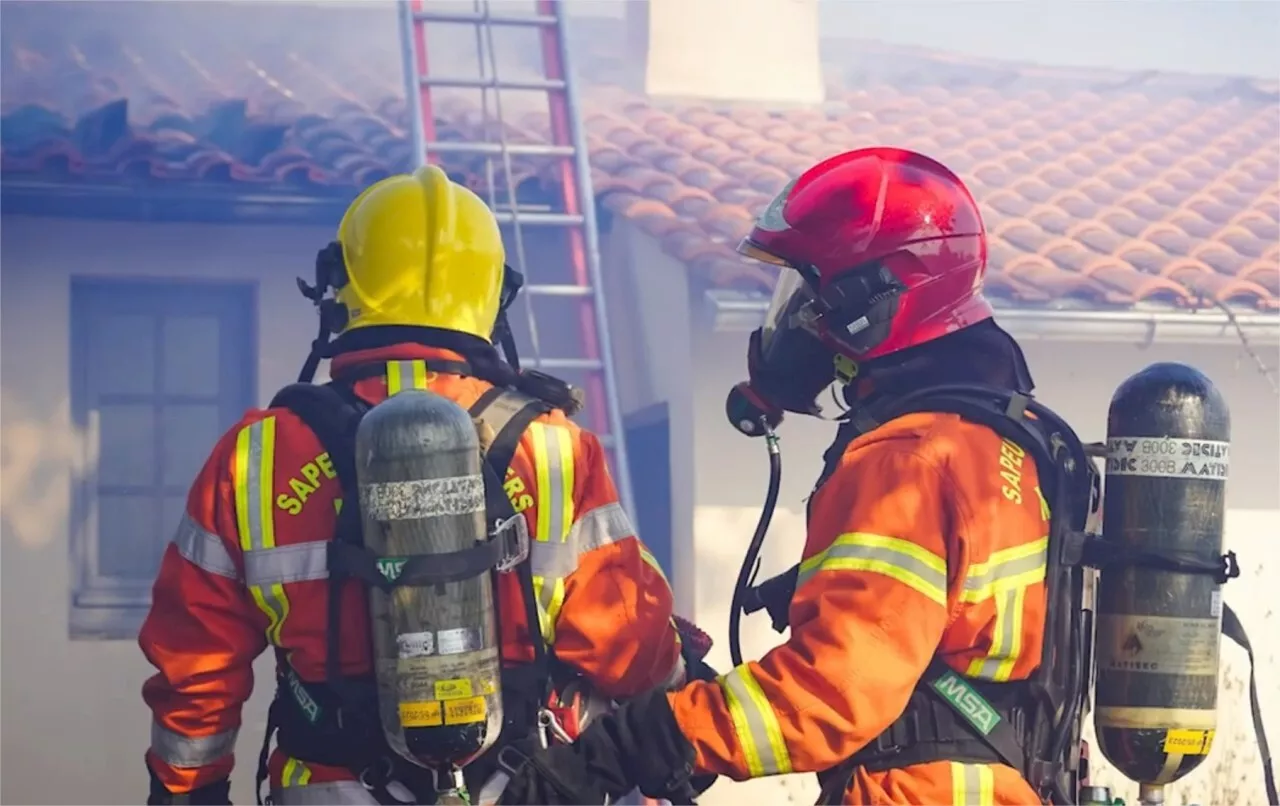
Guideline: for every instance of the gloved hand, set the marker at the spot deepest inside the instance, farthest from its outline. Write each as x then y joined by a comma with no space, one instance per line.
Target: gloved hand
217,793
638,745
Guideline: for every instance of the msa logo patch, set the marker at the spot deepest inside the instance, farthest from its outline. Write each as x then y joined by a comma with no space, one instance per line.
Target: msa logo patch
390,567
971,705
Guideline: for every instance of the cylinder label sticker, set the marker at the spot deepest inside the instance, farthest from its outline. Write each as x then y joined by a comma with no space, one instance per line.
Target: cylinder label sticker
1158,645
422,498
1188,742
1161,457
420,714
456,641
462,712
456,689
415,644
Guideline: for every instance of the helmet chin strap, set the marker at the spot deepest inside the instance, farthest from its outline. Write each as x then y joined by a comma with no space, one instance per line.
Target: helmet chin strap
331,273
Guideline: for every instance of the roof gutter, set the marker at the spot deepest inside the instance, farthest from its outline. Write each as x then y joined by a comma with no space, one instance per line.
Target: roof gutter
735,312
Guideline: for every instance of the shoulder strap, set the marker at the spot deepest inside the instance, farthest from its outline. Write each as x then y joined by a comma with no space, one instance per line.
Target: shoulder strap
509,413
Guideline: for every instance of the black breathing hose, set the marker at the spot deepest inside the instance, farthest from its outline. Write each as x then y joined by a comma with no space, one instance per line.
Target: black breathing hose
751,562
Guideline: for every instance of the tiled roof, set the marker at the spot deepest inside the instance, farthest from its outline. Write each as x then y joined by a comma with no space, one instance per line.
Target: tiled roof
1099,189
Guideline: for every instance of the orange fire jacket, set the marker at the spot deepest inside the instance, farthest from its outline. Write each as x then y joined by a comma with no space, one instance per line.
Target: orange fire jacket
246,570
929,539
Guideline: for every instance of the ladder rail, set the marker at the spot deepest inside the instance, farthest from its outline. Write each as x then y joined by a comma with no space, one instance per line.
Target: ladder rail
577,136
414,64
483,8
568,149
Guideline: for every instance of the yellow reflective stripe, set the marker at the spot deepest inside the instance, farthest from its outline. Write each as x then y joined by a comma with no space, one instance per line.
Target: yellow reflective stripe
652,562
295,773
398,372
901,560
755,724
255,495
972,785
1005,577
1044,504
553,476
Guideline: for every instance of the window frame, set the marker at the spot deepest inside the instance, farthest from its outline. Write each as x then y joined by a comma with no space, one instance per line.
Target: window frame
102,606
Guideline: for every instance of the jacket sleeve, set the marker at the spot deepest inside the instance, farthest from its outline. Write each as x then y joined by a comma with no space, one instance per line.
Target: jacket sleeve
610,613
202,635
869,611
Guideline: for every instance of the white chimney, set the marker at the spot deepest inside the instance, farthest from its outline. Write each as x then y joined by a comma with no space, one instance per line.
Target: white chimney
729,50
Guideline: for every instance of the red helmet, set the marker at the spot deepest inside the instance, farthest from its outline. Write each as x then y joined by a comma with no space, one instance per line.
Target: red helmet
888,251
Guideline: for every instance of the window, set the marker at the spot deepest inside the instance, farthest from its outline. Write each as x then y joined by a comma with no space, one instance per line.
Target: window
159,370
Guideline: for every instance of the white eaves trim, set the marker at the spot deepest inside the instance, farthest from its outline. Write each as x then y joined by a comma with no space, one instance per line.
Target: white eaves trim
736,312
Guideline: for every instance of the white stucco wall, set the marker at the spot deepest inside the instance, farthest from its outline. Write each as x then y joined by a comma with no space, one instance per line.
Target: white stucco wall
75,727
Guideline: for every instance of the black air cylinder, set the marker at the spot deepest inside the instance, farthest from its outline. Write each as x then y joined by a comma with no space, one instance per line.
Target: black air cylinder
1168,434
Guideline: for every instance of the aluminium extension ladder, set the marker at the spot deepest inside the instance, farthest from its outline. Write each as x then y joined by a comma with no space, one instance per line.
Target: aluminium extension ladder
567,222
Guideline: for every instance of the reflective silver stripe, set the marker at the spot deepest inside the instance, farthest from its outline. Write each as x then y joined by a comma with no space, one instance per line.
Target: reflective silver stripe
300,562
755,724
552,560
557,495
600,527
899,559
985,576
253,483
1002,643
204,549
335,792
972,785
185,752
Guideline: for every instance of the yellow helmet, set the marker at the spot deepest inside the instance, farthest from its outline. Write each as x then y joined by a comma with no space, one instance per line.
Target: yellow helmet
423,251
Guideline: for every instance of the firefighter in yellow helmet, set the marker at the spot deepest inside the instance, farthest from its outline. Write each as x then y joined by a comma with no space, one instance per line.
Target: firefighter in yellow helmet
418,288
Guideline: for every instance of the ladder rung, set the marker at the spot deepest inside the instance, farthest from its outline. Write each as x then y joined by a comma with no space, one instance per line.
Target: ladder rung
558,290
542,85
541,219
477,17
514,149
587,364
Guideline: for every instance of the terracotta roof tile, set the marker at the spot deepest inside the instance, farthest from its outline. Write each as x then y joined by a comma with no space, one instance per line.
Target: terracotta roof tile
1099,187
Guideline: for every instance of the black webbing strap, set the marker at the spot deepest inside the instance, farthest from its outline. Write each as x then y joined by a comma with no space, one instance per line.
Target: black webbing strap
1233,629
509,414
332,413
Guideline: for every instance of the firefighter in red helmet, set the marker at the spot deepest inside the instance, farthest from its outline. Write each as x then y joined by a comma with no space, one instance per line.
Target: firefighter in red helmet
922,586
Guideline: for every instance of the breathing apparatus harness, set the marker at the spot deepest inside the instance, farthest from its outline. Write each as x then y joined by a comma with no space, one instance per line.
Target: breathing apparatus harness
1032,725
336,723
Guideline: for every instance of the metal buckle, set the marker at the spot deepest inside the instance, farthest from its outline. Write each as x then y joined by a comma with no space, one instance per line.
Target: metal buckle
514,534
549,727
511,768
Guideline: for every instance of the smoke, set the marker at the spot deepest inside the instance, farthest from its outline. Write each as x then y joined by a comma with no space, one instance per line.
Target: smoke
286,58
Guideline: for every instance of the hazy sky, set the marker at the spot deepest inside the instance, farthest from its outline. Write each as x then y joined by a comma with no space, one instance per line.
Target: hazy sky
1236,37
1198,36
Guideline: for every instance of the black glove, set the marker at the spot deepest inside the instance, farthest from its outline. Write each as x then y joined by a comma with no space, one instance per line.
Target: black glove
639,745
215,794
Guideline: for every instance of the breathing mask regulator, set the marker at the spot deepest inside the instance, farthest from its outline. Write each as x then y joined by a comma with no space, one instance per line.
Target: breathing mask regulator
801,350
331,275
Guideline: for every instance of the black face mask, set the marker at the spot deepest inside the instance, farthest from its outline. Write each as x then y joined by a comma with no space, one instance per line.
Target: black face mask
792,371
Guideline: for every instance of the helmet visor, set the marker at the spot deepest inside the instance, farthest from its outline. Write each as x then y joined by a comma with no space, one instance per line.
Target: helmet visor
790,295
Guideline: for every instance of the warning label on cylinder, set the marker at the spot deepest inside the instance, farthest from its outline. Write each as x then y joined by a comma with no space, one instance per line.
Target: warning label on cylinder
462,712
1188,742
1158,645
420,714
1162,457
